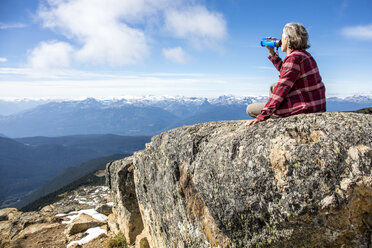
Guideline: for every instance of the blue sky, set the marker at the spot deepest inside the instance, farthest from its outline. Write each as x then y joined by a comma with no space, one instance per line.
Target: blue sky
64,49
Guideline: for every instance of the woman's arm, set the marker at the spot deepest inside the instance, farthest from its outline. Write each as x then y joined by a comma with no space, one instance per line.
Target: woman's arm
277,61
274,58
289,73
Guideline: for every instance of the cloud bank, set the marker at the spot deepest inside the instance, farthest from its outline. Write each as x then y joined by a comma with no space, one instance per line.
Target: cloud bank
114,32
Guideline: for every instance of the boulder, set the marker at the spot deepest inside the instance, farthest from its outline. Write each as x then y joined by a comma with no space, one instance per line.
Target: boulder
48,208
34,228
18,226
82,223
300,181
122,182
104,209
19,221
9,214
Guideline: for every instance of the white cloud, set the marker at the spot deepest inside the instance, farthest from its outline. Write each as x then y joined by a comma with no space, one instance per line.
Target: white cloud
96,25
115,32
175,54
2,60
12,25
358,32
116,45
51,54
197,24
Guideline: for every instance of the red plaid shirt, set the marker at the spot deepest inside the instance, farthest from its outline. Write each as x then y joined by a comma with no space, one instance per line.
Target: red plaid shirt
299,89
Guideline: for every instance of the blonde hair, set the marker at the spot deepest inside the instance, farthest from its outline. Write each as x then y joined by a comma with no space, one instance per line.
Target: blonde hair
297,36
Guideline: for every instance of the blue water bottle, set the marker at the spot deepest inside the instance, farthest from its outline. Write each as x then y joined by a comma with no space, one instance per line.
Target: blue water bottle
271,42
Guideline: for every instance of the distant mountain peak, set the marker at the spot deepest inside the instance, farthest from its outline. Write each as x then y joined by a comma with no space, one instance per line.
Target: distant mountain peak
146,115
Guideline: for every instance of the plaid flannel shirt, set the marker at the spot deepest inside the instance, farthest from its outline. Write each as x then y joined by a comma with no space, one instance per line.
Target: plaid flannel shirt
300,88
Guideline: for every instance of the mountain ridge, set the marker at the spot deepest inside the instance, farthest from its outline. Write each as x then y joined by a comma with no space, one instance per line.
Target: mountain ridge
68,176
145,116
26,166
9,107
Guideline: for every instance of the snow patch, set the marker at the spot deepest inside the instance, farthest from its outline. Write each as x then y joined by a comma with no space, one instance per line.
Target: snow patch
74,214
92,234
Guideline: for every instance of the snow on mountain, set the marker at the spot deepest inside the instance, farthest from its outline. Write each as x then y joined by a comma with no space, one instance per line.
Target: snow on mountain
146,115
149,100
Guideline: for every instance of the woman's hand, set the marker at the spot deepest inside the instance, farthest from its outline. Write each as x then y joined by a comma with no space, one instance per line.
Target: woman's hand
252,122
271,49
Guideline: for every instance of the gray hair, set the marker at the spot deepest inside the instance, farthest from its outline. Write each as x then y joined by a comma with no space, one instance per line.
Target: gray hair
297,36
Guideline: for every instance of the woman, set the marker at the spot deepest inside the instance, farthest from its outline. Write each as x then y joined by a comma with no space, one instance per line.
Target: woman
300,88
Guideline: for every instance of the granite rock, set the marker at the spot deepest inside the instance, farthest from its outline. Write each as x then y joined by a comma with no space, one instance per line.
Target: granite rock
82,223
300,181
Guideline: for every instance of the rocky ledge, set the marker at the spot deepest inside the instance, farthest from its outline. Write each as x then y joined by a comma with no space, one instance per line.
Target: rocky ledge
81,218
301,181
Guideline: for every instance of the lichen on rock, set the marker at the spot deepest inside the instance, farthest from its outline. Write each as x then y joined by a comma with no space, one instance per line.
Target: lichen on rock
300,181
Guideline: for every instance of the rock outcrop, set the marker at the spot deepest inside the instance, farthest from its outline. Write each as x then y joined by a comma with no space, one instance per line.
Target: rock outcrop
301,181
62,224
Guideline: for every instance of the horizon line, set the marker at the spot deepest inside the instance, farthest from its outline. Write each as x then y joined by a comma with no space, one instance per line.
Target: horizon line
156,97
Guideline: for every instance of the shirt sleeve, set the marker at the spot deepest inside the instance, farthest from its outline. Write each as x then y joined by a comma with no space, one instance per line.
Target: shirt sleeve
289,73
276,60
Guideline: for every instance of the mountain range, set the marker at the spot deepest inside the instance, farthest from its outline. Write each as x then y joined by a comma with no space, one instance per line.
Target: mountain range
73,175
11,107
26,164
144,116
79,131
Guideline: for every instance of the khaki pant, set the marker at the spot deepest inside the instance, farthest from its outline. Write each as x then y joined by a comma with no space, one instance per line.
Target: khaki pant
254,109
